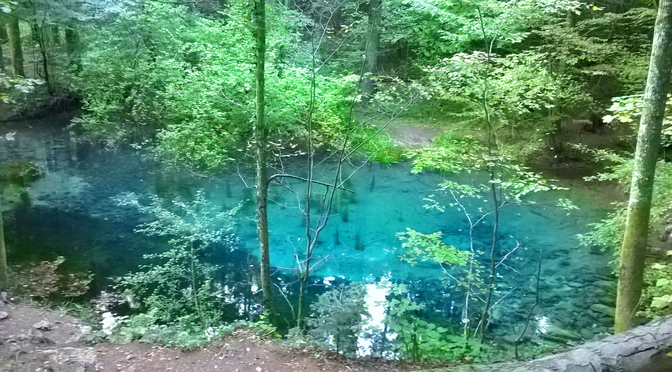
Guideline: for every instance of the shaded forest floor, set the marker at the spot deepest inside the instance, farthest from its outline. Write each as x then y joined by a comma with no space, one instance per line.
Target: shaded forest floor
38,340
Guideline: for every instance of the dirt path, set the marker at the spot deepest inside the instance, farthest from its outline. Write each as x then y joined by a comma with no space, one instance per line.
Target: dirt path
35,340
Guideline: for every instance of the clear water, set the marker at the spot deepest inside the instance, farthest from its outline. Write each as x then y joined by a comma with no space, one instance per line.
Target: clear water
71,213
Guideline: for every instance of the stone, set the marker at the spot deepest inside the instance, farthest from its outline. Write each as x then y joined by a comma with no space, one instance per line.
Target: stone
84,332
42,325
555,333
603,309
608,300
599,293
575,284
586,334
607,285
4,315
73,359
36,337
605,272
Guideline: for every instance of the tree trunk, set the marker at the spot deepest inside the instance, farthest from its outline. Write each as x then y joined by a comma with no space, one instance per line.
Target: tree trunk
3,254
55,35
4,37
14,32
40,36
261,135
71,46
633,250
644,348
372,47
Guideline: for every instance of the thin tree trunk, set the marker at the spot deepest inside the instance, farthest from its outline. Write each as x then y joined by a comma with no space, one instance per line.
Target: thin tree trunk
14,32
55,34
3,254
40,37
261,135
633,250
4,36
492,145
71,46
372,47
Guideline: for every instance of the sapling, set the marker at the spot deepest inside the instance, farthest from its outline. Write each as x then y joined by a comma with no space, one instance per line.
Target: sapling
180,284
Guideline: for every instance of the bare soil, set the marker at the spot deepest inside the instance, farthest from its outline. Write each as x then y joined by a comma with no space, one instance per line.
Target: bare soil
24,348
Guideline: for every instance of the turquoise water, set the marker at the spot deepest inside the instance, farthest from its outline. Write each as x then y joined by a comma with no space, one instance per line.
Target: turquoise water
72,212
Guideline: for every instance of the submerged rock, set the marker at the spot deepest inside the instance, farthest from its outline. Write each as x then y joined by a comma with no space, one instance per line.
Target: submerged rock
607,285
4,315
557,334
603,309
586,334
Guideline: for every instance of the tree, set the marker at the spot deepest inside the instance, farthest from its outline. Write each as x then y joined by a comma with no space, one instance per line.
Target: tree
14,32
633,250
372,47
3,253
261,159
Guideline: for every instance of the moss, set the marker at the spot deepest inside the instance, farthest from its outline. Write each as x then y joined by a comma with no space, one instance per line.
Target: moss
19,172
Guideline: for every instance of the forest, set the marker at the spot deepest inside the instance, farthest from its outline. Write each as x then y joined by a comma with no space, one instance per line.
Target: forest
428,182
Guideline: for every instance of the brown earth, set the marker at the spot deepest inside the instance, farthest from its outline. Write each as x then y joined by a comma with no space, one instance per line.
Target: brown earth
56,347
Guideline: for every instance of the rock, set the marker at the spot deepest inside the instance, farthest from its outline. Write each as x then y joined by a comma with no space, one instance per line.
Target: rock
603,309
605,272
575,284
586,334
73,359
607,285
565,319
42,326
596,249
36,337
608,300
555,333
84,332
4,315
599,292
3,297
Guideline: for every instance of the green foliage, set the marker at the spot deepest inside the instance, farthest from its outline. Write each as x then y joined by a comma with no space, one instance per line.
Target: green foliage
419,340
435,29
627,111
657,296
177,289
608,233
337,317
520,93
426,247
162,76
19,172
146,327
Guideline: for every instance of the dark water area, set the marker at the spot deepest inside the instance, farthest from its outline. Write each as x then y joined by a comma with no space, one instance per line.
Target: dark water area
71,211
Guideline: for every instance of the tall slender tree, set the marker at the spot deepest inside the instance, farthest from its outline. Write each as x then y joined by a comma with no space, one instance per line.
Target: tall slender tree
372,47
3,253
633,250
14,32
261,158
